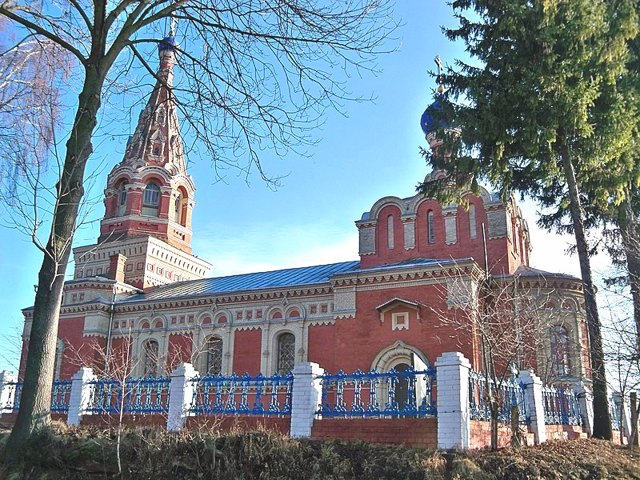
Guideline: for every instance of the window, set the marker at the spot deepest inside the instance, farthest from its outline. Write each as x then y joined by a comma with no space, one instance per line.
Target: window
122,198
180,213
151,199
286,353
390,232
431,231
560,351
213,356
150,359
473,229
400,321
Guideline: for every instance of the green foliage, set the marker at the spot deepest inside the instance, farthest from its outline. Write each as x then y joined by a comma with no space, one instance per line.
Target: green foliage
548,79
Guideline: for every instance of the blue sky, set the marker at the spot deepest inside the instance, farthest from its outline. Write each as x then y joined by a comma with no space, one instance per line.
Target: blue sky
242,226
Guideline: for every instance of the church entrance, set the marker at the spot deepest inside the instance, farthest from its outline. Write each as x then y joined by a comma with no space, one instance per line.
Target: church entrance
402,387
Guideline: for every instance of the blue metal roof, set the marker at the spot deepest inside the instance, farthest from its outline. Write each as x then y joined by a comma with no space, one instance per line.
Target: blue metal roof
288,277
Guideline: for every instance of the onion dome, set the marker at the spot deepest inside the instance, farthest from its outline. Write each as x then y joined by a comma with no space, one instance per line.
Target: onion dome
430,121
167,44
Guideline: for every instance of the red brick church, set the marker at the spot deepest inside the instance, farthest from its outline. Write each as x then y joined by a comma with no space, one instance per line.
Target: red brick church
140,296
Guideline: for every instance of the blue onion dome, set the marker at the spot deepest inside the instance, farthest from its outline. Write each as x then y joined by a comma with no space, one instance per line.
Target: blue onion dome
429,120
167,44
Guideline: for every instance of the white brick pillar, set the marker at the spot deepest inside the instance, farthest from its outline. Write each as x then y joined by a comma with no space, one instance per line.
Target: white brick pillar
534,404
80,395
585,397
7,391
452,382
621,404
305,398
180,396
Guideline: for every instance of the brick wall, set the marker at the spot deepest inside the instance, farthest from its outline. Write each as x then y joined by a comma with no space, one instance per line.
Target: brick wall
412,432
239,423
481,434
112,420
566,432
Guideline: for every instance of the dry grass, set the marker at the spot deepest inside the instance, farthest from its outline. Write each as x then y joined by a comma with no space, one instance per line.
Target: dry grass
67,453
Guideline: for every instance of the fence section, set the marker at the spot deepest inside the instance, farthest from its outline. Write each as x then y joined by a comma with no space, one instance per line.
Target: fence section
394,393
245,395
505,395
137,396
60,392
561,406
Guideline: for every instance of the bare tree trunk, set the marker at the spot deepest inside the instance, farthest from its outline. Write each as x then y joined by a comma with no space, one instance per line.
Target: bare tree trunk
35,403
628,224
601,418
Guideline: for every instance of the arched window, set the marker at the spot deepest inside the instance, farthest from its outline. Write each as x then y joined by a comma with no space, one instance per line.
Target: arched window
180,212
560,350
150,358
390,232
122,198
213,356
286,353
151,199
473,229
431,230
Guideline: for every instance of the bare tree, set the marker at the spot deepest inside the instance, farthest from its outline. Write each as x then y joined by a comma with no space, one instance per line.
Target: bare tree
621,342
257,75
509,320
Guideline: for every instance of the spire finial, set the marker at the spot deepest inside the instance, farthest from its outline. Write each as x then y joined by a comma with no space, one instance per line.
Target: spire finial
439,77
172,26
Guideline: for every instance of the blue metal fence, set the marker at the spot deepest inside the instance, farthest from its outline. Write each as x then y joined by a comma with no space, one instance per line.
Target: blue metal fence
406,393
614,411
60,396
507,392
243,395
561,405
140,396
60,392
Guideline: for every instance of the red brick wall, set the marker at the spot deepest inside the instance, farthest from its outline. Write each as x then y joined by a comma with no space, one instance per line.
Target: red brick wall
246,351
321,340
112,420
502,255
79,351
358,341
565,432
179,350
241,423
412,432
481,434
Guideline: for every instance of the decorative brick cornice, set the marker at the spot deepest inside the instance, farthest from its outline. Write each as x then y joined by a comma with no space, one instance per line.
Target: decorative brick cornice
221,300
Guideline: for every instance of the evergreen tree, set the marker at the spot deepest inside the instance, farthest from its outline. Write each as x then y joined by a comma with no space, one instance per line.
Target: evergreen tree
542,113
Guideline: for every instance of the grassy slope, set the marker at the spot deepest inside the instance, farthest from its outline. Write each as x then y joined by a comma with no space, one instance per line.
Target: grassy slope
151,454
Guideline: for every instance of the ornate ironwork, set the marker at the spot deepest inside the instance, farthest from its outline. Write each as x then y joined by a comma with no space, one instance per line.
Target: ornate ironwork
358,394
141,396
13,397
245,395
561,405
615,413
60,394
508,393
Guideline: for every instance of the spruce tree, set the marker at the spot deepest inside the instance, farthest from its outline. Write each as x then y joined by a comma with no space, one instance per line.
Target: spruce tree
539,112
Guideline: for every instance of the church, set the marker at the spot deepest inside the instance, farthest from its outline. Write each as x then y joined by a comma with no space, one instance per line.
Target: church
418,286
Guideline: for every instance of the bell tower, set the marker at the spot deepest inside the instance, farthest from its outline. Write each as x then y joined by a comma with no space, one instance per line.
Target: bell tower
149,192
149,199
